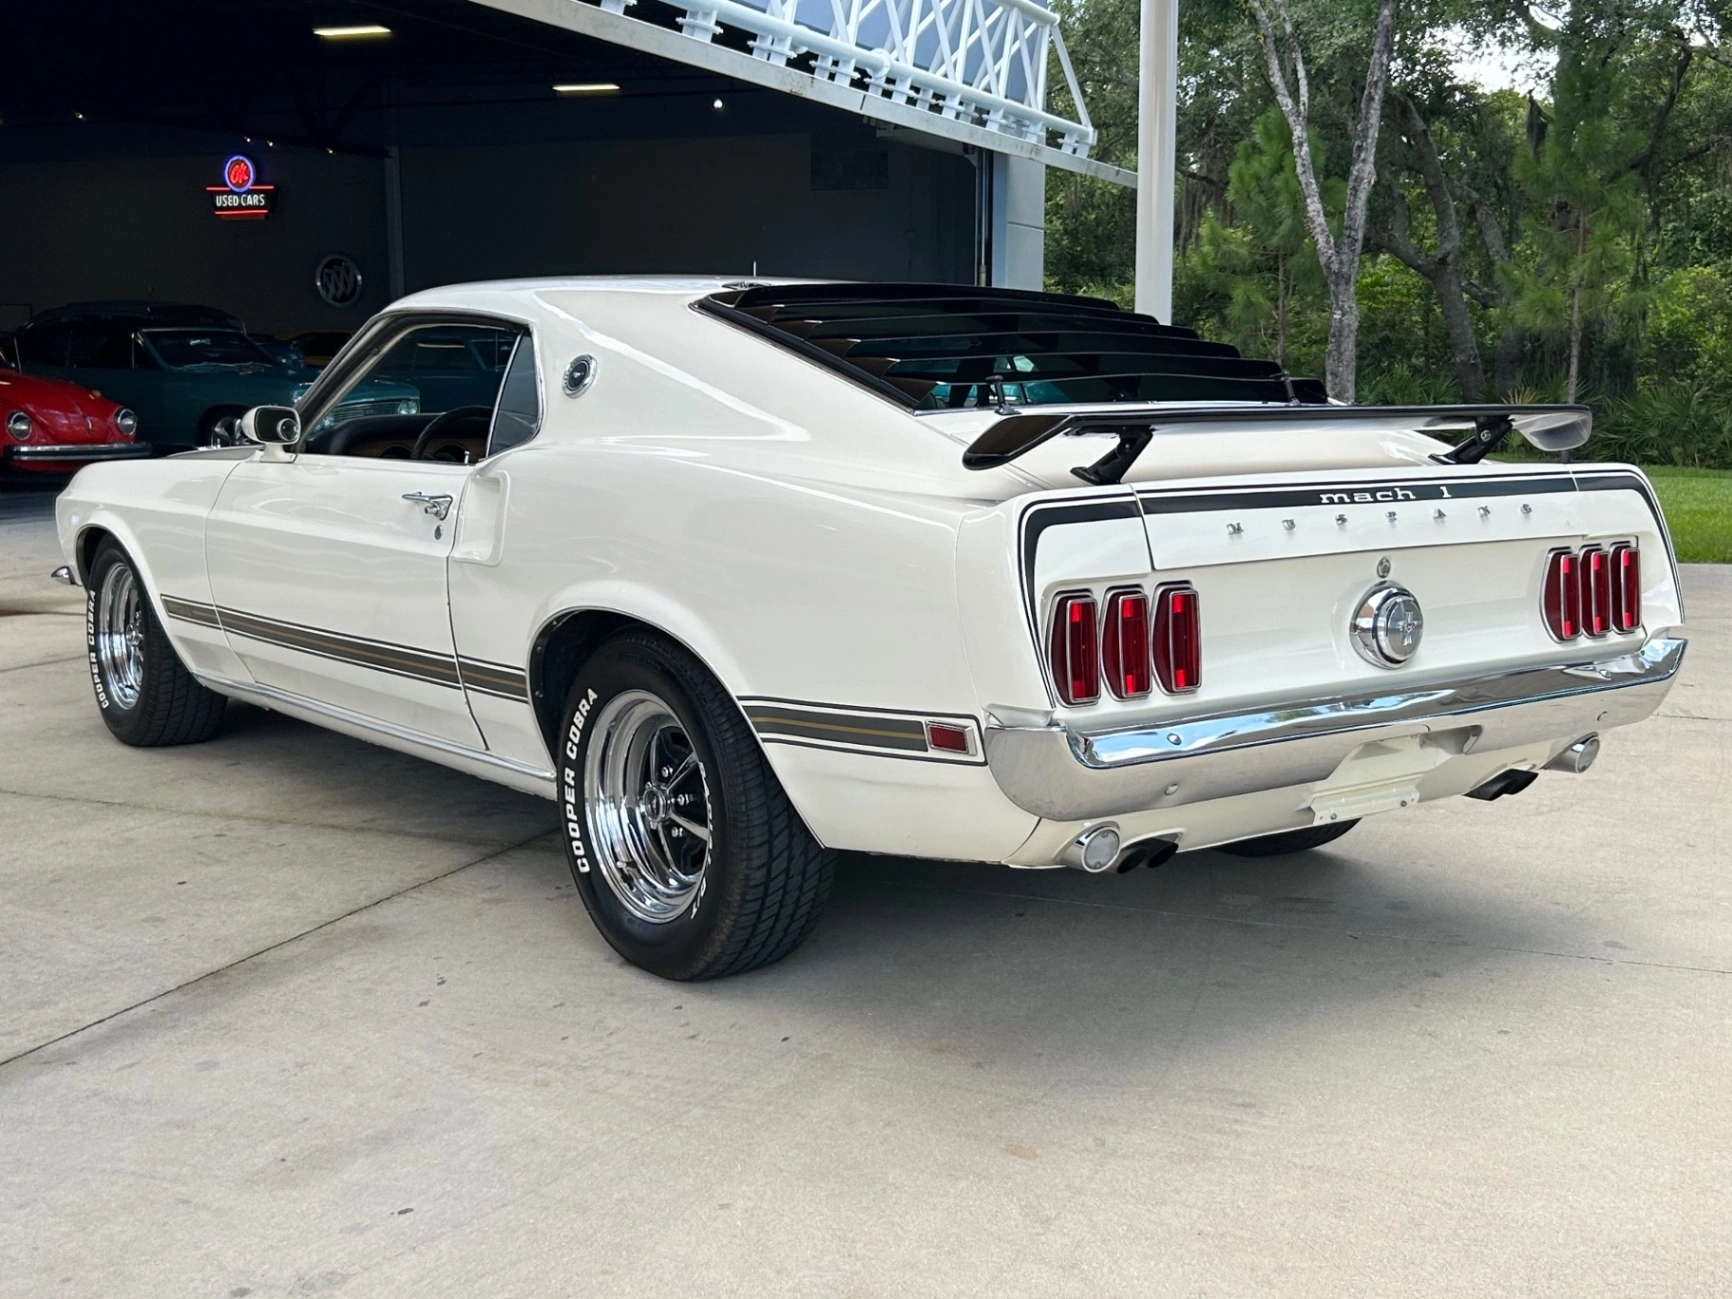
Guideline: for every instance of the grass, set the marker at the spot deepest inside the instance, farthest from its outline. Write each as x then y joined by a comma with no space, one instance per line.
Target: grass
1698,505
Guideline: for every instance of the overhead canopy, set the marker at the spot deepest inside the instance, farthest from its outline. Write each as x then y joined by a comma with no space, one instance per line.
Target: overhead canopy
969,71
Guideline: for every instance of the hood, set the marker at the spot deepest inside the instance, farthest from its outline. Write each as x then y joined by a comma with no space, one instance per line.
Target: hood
63,412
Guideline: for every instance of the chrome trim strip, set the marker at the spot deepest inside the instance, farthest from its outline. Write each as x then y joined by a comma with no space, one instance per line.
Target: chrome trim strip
269,695
1057,772
89,451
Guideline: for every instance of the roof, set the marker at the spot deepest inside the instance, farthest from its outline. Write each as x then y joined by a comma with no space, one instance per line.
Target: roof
160,313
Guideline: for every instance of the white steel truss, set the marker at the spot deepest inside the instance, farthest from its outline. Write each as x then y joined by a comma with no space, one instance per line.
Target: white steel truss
982,62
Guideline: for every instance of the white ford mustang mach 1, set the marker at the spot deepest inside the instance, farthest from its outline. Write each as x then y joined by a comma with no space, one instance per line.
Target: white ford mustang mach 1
741,575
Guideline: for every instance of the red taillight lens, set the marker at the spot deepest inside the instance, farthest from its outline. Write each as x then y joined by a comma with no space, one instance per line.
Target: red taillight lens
1125,644
1178,640
1076,664
1596,579
1561,600
1626,566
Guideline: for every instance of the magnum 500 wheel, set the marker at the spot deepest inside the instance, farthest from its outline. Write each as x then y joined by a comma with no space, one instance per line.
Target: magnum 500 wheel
686,852
144,692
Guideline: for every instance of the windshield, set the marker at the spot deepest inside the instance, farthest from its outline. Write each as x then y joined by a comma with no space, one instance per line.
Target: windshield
181,349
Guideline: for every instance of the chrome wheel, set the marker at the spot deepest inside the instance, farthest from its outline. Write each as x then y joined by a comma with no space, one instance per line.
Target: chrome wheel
120,636
647,801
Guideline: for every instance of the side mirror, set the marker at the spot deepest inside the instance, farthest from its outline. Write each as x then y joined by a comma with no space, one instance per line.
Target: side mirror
274,427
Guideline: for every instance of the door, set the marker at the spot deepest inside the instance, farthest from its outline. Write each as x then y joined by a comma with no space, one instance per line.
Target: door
329,569
330,584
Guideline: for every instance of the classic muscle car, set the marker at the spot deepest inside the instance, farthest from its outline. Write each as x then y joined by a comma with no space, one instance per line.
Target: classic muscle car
741,575
188,371
50,427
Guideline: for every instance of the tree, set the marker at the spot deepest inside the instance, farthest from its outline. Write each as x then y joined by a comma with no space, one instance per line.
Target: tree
1338,255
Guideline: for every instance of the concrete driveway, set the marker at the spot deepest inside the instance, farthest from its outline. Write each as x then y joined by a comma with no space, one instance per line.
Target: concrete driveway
285,1014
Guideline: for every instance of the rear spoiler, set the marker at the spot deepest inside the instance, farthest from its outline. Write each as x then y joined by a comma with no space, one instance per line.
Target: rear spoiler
1550,428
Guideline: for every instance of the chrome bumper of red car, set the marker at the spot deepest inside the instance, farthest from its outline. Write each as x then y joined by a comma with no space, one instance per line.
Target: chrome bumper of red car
73,453
1071,775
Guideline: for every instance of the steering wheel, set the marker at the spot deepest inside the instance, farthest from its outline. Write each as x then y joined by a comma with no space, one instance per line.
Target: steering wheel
462,422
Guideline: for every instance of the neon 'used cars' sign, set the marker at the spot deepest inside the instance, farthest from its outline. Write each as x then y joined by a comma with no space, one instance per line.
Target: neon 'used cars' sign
240,197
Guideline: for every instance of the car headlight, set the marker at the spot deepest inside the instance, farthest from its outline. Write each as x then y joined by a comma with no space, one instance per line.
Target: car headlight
409,406
18,425
126,421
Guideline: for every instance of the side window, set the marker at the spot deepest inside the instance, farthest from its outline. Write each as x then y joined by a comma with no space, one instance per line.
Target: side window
44,344
518,417
101,345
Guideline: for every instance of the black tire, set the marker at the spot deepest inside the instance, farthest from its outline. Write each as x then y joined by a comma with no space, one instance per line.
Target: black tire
1279,845
761,880
168,706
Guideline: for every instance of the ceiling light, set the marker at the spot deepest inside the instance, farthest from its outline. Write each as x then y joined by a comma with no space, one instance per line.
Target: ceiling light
587,88
359,32
717,104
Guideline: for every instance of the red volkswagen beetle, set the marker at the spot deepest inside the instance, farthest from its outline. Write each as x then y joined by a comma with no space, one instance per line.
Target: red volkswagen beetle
48,426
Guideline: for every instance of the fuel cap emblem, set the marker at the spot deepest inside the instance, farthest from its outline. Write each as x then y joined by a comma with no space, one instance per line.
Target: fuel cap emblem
1388,625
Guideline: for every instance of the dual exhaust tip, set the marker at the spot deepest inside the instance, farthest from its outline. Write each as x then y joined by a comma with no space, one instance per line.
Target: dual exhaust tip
1101,848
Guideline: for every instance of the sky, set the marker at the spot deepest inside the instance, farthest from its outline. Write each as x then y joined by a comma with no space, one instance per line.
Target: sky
1496,68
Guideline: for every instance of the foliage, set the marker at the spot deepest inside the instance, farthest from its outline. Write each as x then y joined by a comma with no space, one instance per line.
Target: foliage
1587,228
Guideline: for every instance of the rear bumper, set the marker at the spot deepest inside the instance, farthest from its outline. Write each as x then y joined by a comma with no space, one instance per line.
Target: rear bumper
1069,775
63,456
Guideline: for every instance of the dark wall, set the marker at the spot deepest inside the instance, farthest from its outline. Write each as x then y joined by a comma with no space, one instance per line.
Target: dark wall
125,214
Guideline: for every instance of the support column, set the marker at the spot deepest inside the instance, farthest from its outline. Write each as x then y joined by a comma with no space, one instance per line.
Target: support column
1157,160
1016,231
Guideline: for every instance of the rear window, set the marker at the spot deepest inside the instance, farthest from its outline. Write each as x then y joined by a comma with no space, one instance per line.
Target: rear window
947,347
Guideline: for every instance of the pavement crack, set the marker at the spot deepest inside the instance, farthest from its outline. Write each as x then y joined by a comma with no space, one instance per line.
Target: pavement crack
250,818
265,951
44,663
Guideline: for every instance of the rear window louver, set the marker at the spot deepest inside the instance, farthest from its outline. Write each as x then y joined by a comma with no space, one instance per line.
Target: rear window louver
947,346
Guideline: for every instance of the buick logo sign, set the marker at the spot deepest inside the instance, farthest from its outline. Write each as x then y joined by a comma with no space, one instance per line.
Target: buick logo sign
338,281
1387,626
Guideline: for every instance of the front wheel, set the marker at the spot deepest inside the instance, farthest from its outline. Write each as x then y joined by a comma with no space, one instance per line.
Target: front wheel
686,852
145,694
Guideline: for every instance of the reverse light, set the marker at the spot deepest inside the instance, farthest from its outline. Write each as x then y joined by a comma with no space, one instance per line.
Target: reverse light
1561,597
1596,579
1125,644
1178,639
1076,671
1626,566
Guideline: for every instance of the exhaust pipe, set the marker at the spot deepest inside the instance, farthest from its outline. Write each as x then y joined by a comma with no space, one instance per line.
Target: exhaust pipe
1505,782
1094,850
1149,852
1578,757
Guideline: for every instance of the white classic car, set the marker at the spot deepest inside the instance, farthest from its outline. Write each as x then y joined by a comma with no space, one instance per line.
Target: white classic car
742,575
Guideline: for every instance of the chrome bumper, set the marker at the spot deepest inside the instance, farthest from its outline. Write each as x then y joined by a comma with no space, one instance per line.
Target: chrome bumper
1069,775
73,453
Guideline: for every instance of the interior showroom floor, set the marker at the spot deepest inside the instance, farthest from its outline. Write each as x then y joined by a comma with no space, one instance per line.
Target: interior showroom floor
286,1014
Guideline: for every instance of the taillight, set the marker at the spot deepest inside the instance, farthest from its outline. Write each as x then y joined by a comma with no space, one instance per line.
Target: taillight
1596,579
1626,566
1562,598
1125,644
1178,640
1076,664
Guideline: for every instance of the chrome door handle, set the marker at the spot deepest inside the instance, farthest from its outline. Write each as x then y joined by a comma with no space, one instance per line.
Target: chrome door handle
437,504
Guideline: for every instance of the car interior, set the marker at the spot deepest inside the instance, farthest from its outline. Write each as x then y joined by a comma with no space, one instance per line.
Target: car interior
460,372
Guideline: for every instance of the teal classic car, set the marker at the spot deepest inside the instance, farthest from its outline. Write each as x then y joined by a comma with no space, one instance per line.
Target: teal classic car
189,372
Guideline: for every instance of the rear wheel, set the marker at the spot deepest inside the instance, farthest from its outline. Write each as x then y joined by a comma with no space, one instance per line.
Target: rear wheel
686,852
145,694
1278,845
220,427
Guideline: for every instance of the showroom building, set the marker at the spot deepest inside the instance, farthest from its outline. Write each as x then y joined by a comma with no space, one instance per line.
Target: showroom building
302,163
